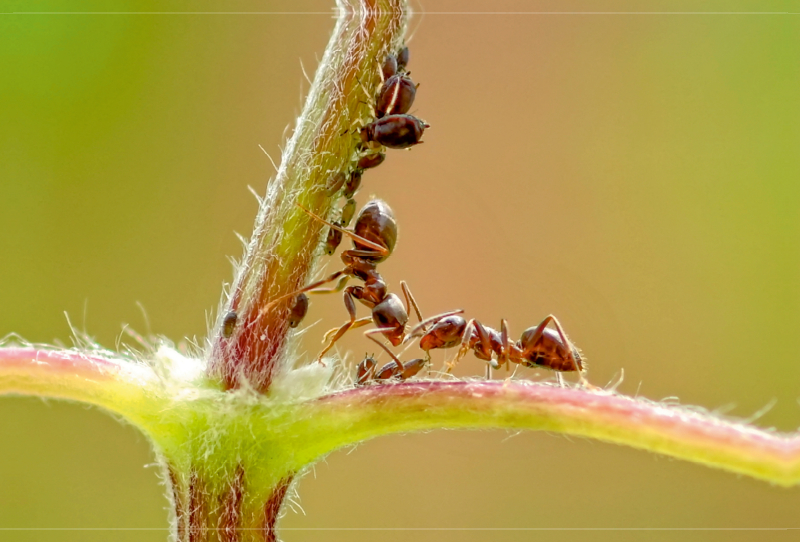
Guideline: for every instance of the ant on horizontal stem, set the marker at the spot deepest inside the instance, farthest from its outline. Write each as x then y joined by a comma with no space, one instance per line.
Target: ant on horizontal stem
538,346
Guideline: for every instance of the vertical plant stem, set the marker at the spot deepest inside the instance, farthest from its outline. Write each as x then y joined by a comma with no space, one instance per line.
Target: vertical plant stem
284,245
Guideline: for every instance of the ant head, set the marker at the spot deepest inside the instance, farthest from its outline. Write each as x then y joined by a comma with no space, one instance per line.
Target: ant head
391,317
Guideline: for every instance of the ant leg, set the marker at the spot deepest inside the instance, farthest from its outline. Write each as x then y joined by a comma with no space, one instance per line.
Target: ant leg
374,246
563,336
304,289
410,301
482,346
350,305
421,328
369,334
505,348
571,349
462,351
361,322
484,340
338,288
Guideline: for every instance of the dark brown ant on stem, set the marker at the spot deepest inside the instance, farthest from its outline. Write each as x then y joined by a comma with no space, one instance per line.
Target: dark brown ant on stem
538,346
395,131
374,237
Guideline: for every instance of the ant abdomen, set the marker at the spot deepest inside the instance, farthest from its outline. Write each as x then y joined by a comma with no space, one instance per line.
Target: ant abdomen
445,333
376,223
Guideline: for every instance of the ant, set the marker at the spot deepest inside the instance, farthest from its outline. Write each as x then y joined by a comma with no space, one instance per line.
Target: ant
538,346
374,236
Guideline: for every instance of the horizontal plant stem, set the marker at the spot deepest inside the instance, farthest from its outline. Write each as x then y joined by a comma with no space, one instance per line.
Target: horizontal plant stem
117,385
359,414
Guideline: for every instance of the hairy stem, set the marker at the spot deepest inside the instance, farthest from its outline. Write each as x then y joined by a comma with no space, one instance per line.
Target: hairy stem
285,242
356,415
117,385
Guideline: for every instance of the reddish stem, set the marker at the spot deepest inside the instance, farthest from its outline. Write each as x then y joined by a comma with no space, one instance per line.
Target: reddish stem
284,246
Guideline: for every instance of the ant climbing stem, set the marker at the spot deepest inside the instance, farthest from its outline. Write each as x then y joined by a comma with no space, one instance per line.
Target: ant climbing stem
374,236
361,240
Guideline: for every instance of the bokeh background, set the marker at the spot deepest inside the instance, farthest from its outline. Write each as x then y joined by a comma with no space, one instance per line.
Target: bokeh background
635,174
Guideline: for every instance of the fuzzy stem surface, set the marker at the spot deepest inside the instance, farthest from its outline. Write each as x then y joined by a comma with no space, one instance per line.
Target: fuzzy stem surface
286,242
690,434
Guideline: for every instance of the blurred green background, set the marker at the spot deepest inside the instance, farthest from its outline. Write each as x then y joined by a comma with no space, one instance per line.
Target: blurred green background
636,175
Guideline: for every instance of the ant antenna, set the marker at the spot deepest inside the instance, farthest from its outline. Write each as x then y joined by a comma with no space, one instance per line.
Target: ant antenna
379,343
374,246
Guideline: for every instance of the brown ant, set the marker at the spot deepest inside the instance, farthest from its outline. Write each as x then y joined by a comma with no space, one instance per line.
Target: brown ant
374,236
538,346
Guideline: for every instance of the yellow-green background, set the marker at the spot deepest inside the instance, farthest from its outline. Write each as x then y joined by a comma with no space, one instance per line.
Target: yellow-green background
636,175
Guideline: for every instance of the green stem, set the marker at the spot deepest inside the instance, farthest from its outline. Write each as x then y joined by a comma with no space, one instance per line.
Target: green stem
120,386
356,415
286,242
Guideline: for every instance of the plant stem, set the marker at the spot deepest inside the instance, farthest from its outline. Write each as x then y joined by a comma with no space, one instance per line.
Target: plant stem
359,414
285,243
117,385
